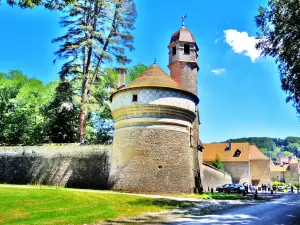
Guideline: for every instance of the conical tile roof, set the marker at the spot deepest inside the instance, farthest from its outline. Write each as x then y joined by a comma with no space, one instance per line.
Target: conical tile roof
153,77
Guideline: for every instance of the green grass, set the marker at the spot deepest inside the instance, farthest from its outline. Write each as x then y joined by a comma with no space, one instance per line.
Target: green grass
63,206
218,196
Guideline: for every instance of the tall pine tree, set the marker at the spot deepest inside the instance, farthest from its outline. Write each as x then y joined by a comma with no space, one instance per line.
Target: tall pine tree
98,33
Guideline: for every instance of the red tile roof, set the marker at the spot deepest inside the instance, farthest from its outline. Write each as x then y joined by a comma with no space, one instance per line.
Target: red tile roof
211,150
256,154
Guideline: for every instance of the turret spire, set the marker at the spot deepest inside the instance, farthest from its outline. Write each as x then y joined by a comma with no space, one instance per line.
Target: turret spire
183,17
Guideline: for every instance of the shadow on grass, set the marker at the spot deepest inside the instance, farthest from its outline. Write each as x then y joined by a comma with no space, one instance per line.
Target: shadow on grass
155,218
164,203
188,209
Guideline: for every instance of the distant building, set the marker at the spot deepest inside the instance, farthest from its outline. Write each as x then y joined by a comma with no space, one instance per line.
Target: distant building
288,170
244,162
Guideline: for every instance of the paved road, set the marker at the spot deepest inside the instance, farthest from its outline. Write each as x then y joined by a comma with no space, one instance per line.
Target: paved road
283,211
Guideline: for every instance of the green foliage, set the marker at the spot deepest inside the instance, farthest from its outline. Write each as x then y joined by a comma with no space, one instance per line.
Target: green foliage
288,154
280,28
276,184
218,164
135,71
63,115
33,113
22,108
48,4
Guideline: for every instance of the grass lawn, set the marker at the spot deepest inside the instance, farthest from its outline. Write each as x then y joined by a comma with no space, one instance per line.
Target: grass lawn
29,204
62,206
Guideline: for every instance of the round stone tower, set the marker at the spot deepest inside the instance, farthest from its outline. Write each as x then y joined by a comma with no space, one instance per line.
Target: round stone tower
153,135
183,65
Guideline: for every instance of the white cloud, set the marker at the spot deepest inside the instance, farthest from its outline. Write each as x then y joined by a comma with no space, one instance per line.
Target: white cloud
218,71
242,43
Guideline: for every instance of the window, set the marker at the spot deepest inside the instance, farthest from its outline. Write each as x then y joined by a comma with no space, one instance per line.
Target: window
174,50
186,49
237,153
134,98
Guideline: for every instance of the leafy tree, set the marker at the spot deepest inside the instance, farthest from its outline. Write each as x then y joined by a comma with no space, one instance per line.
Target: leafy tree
48,4
218,164
294,148
280,38
22,108
62,125
135,71
100,125
288,154
98,32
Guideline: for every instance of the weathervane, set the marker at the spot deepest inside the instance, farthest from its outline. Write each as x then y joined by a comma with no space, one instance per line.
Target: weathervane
183,17
155,60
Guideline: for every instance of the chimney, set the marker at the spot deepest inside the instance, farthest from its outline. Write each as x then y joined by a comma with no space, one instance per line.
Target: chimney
121,78
228,146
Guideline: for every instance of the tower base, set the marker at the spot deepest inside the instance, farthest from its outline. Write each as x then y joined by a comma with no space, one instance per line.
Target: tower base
152,159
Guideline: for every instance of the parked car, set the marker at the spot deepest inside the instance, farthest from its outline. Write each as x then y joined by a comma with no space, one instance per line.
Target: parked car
280,189
241,188
234,188
221,188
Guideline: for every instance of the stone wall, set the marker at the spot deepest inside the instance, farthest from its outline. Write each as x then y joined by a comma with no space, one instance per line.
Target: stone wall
213,177
64,165
185,73
260,172
155,159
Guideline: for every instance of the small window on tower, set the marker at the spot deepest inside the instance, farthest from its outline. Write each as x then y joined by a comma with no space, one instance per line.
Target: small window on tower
174,50
186,49
134,98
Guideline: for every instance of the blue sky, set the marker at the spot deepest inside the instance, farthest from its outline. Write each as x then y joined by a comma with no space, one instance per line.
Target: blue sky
240,92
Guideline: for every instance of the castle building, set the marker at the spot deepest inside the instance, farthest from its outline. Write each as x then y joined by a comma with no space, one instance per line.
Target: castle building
156,147
288,170
244,162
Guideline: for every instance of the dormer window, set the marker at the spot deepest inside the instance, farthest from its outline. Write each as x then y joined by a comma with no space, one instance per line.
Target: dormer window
237,153
174,50
186,49
134,98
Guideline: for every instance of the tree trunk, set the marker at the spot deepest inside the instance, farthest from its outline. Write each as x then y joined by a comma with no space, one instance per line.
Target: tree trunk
82,124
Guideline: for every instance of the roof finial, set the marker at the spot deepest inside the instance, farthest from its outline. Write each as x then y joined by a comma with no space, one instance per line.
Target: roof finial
183,17
155,61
